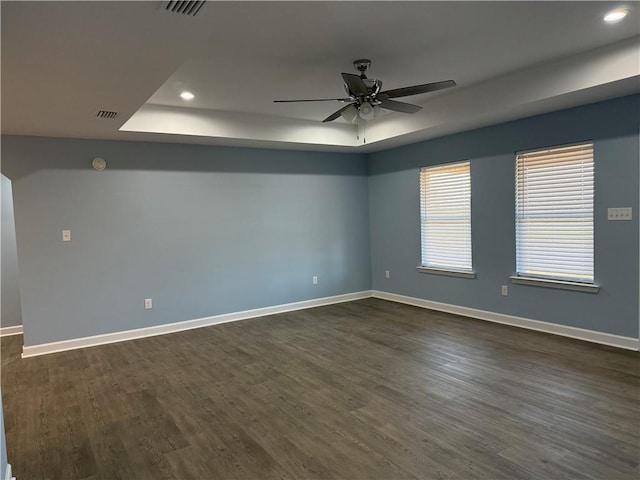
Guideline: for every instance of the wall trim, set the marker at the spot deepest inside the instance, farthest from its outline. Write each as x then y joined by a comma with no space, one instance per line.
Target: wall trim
95,340
619,341
6,331
7,473
593,336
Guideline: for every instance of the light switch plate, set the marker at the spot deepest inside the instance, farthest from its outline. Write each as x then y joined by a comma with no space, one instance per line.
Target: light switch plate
66,235
623,213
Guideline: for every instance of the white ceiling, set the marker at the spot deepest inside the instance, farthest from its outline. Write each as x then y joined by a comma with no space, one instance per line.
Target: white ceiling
63,61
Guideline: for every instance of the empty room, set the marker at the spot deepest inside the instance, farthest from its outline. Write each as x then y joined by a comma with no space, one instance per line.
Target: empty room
320,240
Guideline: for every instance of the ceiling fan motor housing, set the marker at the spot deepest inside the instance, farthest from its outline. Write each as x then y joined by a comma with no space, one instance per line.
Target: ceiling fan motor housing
362,65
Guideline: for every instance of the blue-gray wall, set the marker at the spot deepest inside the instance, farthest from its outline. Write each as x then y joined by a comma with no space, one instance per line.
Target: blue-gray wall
201,230
208,230
395,218
10,310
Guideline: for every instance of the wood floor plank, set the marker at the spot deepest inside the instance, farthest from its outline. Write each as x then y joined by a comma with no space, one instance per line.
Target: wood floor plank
360,390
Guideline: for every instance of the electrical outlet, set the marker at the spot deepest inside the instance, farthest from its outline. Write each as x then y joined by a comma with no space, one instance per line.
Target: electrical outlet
619,213
387,274
148,304
505,290
314,280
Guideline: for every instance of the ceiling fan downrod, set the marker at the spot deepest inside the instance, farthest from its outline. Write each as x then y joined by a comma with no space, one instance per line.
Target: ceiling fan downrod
362,65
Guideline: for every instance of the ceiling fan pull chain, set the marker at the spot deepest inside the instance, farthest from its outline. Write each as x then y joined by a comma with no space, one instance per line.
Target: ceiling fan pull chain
364,131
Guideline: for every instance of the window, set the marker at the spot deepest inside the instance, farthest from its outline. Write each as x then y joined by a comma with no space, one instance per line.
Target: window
554,213
445,211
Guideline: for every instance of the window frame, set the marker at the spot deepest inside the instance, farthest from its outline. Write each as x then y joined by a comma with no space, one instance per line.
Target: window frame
555,279
434,267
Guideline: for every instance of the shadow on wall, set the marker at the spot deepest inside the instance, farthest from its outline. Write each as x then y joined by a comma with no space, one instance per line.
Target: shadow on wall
584,123
78,154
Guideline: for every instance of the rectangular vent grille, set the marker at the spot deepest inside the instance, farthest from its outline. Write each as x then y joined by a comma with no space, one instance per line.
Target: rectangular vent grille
184,8
106,114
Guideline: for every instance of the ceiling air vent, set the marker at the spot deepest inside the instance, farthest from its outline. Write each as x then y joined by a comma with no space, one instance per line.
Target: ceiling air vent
106,114
184,8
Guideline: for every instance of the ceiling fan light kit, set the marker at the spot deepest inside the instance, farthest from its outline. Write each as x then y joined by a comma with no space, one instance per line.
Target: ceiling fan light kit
366,97
350,114
366,111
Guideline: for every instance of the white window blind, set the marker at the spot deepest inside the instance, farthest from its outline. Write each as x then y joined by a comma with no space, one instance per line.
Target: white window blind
445,208
554,213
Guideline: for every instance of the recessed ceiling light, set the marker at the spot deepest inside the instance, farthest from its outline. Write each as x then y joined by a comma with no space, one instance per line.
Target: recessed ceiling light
616,15
186,96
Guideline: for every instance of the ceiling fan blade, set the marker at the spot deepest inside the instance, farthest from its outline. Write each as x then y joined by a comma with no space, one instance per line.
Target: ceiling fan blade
355,84
335,115
399,106
315,100
416,89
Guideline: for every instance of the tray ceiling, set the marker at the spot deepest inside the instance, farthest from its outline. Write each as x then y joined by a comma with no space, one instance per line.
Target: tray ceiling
63,62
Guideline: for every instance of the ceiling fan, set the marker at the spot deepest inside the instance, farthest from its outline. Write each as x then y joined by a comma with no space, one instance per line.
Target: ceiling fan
365,95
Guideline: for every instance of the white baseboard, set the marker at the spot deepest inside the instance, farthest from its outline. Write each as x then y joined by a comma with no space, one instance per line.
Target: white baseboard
6,331
628,343
619,341
72,344
7,474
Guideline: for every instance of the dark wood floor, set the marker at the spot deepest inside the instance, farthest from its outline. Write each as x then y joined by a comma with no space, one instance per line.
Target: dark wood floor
361,390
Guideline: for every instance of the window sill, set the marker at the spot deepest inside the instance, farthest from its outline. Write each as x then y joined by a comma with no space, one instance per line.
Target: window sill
560,284
447,272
